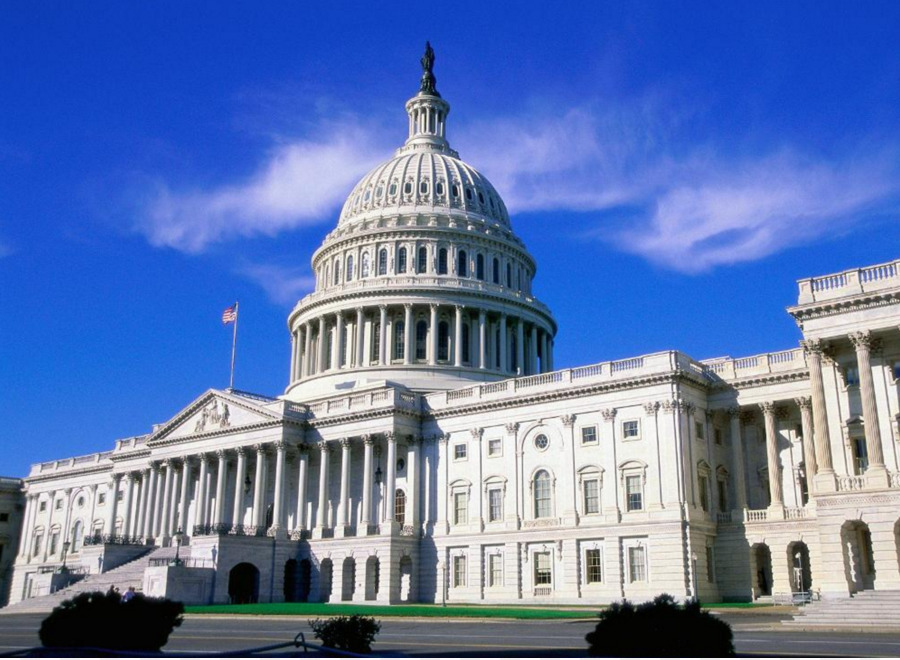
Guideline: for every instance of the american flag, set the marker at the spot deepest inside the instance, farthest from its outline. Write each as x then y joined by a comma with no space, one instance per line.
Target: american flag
229,315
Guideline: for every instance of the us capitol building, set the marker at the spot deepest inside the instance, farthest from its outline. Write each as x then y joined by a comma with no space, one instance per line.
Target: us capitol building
427,450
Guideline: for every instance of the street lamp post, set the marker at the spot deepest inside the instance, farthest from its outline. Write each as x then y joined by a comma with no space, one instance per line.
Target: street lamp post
65,550
799,558
179,535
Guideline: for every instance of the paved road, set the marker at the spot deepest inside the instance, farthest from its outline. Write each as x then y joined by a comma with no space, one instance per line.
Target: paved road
472,638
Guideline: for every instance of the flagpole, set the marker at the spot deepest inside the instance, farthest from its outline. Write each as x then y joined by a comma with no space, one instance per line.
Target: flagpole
233,345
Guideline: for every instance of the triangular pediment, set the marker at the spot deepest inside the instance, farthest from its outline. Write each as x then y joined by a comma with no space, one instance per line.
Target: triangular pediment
215,412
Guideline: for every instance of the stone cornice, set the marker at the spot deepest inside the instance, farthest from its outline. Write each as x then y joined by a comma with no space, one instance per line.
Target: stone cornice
761,380
825,308
230,430
80,472
364,415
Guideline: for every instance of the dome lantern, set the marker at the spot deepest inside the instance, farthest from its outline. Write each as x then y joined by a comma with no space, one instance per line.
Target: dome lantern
427,114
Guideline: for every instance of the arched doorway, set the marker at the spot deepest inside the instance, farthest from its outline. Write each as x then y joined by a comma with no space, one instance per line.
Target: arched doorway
859,565
372,578
325,573
406,579
303,582
798,561
290,581
243,584
348,578
762,565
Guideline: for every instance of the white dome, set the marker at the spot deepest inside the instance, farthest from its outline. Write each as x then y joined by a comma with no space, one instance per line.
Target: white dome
426,181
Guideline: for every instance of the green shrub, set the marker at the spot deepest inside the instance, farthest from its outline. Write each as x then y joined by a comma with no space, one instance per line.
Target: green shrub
661,628
103,621
347,633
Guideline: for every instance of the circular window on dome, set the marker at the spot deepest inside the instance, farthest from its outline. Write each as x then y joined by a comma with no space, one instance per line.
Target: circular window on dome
541,442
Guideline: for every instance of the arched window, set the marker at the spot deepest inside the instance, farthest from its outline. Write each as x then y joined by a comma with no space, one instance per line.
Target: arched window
422,260
77,535
400,506
442,261
350,268
479,266
462,267
443,341
399,340
543,506
382,262
465,343
421,339
364,268
496,273
401,260
508,276
337,272
327,275
376,342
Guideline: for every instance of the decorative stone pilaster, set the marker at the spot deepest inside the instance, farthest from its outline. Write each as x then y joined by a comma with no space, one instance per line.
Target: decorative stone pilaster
737,459
876,474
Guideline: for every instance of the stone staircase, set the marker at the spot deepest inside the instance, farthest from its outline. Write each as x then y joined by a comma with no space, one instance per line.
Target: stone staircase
865,611
130,574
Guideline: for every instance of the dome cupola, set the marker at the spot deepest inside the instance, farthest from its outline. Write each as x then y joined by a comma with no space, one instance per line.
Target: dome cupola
422,282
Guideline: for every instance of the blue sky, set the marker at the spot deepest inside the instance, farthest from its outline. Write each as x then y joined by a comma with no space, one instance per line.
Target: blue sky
673,167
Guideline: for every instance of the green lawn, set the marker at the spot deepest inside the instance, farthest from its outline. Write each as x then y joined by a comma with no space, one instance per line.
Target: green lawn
325,609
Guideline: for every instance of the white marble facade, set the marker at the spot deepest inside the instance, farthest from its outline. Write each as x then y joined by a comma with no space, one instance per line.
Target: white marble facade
426,450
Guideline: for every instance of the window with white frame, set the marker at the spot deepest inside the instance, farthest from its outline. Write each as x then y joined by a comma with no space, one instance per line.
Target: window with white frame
710,563
593,565
460,508
543,569
723,494
459,571
591,488
58,504
495,504
54,541
631,429
634,492
43,506
851,376
460,451
703,482
637,563
698,428
495,570
543,502
495,447
589,435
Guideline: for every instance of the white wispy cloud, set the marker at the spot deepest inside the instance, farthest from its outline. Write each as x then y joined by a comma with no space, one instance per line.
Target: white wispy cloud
298,183
283,285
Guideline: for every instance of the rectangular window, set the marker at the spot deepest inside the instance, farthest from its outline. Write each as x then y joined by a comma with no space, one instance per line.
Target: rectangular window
637,564
631,430
698,427
723,495
38,542
718,436
495,447
704,492
120,496
399,340
543,571
495,570
592,496
4,517
101,498
460,451
896,369
459,571
54,541
376,343
593,566
495,505
851,376
860,455
588,435
634,493
57,505
43,506
460,508
710,564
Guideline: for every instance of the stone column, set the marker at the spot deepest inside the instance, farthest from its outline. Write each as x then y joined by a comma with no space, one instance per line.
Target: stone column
382,335
545,351
302,476
825,480
532,351
172,522
550,352
111,507
163,497
433,330
126,505
294,343
237,509
520,347
504,363
202,514
442,494
407,334
457,337
737,459
482,339
322,510
142,503
390,487
876,473
307,347
182,524
366,517
360,338
320,362
809,449
221,475
337,345
147,531
343,513
776,499
277,528
258,516
412,482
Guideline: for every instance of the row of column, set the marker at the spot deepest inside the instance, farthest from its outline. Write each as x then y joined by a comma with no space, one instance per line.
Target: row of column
310,357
